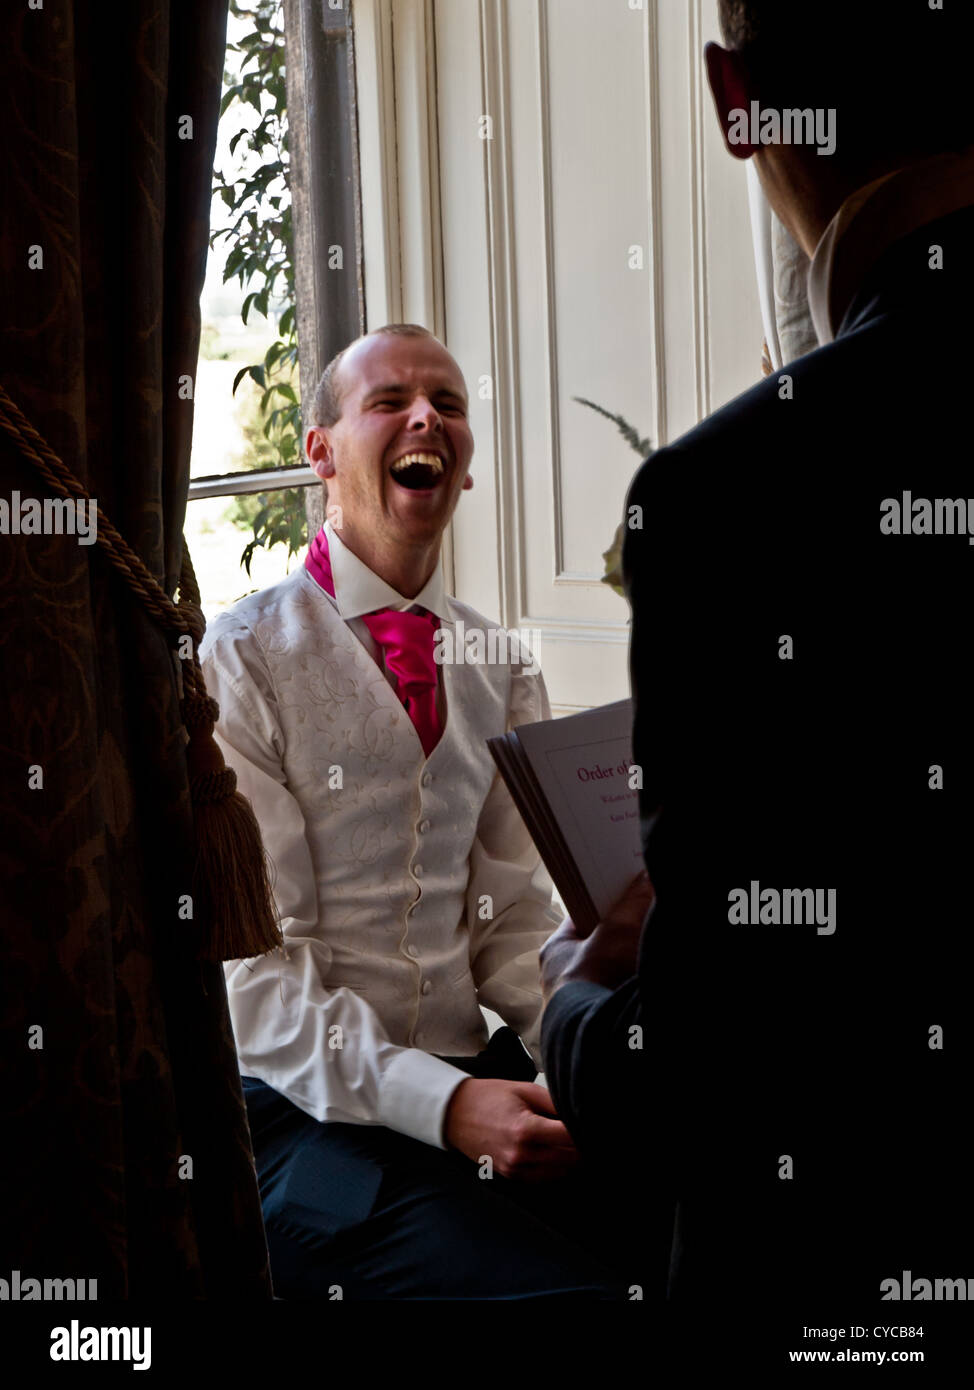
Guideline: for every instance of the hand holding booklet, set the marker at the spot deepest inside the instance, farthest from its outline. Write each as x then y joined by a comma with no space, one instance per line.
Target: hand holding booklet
570,779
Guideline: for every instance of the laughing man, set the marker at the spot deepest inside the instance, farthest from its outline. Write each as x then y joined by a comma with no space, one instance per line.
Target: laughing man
409,891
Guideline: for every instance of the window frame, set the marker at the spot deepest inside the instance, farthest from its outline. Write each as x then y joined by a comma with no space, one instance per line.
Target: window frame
324,170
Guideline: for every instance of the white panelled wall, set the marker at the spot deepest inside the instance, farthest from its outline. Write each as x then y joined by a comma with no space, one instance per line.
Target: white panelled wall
544,185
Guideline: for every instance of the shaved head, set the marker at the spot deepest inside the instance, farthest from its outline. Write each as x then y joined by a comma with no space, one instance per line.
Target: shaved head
326,407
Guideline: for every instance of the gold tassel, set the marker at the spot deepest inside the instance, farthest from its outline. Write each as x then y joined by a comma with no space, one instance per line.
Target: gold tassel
231,891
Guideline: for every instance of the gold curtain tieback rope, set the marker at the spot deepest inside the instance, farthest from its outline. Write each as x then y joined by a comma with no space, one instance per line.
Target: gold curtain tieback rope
231,895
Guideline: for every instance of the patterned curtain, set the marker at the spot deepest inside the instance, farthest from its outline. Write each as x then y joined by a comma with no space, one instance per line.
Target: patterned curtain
126,1146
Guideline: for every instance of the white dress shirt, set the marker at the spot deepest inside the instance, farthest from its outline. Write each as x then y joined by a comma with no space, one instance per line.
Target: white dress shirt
411,893
359,591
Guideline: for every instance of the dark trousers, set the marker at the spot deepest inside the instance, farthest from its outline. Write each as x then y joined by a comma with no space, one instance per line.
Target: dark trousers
362,1212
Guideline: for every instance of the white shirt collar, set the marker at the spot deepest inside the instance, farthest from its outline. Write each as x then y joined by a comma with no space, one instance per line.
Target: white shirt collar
358,590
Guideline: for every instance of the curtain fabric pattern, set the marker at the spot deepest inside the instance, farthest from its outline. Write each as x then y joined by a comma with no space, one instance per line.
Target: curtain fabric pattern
127,1150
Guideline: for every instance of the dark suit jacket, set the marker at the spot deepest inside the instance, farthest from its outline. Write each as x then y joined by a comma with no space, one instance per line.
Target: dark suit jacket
766,1046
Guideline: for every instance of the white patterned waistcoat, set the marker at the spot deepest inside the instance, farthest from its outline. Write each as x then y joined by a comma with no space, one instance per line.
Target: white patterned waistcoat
390,846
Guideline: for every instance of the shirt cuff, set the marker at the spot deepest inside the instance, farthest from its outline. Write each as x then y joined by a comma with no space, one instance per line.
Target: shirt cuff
414,1092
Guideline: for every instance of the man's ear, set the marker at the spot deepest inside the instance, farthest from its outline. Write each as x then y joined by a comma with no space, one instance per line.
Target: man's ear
317,446
731,88
467,483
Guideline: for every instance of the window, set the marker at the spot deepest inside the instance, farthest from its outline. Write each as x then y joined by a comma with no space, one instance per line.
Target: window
248,442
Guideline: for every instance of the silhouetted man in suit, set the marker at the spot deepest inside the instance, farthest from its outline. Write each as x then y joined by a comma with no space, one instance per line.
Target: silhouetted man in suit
782,1079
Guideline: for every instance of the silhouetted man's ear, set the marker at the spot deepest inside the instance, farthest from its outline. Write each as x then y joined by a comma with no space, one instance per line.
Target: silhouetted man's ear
730,85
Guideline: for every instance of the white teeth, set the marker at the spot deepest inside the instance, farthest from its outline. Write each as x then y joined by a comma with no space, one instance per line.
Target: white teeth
430,460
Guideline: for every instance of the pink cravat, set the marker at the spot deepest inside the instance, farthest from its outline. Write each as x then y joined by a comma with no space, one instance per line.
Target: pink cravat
407,642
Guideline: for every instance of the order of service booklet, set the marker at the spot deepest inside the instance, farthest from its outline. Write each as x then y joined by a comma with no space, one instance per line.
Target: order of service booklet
570,779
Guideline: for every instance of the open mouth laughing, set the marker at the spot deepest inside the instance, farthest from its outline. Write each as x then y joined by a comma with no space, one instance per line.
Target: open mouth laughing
419,471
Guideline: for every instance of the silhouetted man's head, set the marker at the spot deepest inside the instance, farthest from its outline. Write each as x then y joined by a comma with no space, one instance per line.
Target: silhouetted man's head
856,88
896,72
